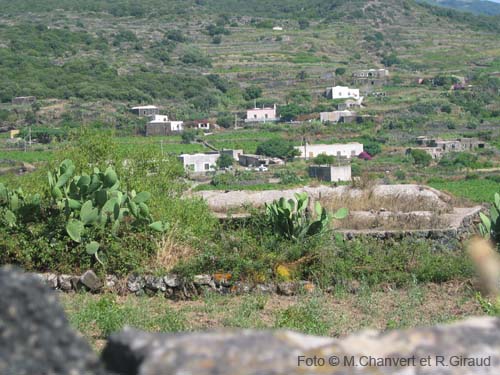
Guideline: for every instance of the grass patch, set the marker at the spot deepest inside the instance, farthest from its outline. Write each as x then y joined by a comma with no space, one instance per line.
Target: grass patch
477,190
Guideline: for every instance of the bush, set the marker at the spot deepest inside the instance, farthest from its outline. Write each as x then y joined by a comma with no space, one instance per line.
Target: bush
420,157
225,161
279,148
323,159
252,92
340,71
459,160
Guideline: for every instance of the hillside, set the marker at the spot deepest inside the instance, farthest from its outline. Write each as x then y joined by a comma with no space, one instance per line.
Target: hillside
473,6
197,58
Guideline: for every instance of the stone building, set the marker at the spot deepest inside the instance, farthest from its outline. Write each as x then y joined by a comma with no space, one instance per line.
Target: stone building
24,100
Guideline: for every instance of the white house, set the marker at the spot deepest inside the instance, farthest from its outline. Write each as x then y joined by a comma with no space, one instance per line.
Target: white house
346,150
161,125
200,162
334,116
344,92
262,114
277,28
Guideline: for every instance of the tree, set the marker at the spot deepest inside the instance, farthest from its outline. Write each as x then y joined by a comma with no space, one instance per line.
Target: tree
290,111
252,92
279,148
372,147
420,157
225,120
340,71
390,60
323,159
224,161
188,136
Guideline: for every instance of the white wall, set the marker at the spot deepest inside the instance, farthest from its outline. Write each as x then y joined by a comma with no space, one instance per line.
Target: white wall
199,162
343,92
347,150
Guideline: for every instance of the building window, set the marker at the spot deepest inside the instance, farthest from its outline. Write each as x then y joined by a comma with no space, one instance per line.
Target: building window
254,116
265,115
207,166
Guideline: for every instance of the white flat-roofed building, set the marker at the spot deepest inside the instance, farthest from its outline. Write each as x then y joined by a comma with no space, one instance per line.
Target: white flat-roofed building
199,163
341,150
344,92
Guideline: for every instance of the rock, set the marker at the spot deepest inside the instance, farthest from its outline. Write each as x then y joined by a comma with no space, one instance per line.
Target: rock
285,352
265,288
173,281
91,281
135,283
241,288
287,288
67,282
50,279
35,336
155,284
202,280
111,282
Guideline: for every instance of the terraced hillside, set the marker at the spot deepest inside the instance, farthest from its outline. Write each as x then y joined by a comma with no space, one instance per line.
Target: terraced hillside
196,58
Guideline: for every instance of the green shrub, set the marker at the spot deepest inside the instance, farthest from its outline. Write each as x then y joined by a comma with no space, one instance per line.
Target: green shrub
277,147
420,157
490,224
324,159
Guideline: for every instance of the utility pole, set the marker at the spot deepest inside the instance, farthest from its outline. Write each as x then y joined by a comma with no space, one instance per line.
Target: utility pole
29,136
161,147
305,146
235,121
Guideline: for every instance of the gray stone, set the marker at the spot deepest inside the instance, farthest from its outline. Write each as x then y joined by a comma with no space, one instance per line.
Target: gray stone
202,280
241,288
155,284
265,288
91,281
50,279
35,336
67,282
111,282
244,352
287,288
135,283
172,280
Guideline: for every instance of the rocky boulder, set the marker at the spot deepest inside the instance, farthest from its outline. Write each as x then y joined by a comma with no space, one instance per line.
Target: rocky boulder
35,336
468,347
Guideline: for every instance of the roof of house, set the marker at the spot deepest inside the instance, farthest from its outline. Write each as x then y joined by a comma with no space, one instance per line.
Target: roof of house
145,107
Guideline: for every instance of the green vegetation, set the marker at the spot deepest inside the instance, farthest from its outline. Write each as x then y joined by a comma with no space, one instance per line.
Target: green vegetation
278,148
291,220
490,225
477,190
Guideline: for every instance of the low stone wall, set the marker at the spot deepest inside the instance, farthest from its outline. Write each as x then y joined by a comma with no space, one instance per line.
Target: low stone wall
462,226
36,338
171,286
